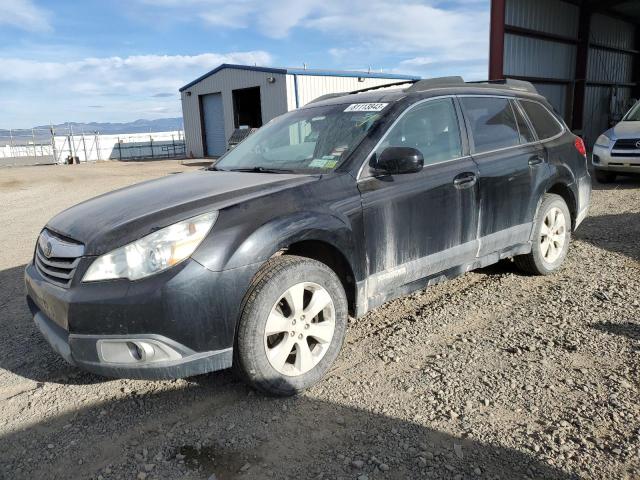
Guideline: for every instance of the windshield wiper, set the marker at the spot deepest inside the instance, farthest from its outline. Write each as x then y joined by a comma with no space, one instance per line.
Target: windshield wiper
261,170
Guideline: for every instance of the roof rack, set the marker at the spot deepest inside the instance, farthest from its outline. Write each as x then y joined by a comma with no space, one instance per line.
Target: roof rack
422,85
511,83
440,82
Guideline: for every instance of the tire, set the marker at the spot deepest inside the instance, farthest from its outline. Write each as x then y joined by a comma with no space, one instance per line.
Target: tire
283,296
602,176
548,252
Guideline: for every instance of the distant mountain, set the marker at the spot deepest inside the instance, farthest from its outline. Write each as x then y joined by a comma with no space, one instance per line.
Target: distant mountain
42,133
137,126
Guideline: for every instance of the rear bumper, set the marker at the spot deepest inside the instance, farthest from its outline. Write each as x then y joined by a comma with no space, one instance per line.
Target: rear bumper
602,159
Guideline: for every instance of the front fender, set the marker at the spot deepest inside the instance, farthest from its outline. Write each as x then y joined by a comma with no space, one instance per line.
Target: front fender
285,231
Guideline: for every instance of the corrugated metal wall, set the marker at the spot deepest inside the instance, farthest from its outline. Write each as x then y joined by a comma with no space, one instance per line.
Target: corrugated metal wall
540,58
535,15
311,87
554,58
273,101
606,104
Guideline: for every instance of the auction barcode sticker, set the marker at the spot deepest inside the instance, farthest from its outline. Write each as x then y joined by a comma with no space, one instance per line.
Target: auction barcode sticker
365,107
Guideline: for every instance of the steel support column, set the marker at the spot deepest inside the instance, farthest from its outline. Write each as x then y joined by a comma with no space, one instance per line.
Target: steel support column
582,56
496,40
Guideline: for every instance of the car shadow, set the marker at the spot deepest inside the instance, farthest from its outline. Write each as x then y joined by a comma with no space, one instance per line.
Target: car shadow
626,329
617,233
25,352
215,427
621,183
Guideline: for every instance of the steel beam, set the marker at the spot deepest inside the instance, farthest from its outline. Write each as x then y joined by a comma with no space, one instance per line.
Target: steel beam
496,40
582,55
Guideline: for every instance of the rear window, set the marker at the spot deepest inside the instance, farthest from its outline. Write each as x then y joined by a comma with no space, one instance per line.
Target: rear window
544,123
526,135
493,124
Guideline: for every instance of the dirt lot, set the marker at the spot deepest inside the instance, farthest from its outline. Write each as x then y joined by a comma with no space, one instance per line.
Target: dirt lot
492,375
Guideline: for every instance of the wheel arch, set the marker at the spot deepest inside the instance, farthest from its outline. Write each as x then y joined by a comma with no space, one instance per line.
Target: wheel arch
327,253
563,190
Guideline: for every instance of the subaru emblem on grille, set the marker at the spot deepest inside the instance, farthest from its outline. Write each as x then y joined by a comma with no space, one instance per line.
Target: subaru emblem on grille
47,249
638,144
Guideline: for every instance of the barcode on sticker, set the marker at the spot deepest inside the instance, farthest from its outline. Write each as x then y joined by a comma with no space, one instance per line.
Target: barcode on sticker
365,107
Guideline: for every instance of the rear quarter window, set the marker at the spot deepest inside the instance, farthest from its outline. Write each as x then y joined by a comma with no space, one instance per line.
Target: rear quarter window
544,123
492,122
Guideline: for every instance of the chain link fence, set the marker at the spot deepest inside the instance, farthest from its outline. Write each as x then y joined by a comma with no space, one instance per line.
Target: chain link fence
51,146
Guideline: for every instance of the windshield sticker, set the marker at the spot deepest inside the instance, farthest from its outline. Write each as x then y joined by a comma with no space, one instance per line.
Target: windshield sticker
318,163
365,107
323,163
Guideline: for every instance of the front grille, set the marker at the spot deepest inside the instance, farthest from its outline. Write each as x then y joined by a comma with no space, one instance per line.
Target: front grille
627,144
63,257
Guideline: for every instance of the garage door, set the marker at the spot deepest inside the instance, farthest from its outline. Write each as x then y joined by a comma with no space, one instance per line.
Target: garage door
213,118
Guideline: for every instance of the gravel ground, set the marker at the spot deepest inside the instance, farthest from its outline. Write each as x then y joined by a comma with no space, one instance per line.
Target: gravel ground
492,375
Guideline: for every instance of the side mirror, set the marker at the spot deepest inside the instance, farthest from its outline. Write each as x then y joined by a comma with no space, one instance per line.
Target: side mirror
399,160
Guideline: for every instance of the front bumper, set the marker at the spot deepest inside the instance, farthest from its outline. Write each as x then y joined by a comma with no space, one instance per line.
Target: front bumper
184,317
82,351
603,158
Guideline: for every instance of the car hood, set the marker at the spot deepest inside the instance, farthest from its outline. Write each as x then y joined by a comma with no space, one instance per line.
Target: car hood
626,130
122,216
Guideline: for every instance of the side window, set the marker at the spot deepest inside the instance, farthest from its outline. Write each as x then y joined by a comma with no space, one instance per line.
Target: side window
493,124
431,127
544,123
526,135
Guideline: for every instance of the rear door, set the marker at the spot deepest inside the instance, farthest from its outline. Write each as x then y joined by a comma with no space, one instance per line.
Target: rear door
511,163
419,224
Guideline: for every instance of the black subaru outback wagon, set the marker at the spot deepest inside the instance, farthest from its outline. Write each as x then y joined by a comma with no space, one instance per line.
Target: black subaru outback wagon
325,212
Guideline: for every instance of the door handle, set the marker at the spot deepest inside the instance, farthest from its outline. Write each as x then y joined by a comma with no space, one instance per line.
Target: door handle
465,180
535,160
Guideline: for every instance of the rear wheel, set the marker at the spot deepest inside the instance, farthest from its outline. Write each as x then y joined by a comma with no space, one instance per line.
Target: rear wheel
602,176
551,237
292,326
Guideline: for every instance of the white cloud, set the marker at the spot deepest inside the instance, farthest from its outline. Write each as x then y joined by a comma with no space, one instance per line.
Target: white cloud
141,86
134,74
23,14
362,32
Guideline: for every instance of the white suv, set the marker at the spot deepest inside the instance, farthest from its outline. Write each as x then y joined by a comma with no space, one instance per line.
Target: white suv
617,151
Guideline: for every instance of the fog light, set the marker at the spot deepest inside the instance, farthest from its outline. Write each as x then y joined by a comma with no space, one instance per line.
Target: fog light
134,351
596,159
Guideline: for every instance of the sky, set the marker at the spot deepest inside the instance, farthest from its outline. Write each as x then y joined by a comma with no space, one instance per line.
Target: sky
118,61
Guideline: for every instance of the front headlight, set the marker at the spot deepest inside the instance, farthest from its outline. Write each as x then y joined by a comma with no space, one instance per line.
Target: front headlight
603,141
154,253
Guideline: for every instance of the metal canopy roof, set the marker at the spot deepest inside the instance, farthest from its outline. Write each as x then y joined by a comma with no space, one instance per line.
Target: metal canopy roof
629,9
303,71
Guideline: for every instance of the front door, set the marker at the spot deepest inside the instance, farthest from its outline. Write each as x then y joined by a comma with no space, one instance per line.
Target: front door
419,224
511,163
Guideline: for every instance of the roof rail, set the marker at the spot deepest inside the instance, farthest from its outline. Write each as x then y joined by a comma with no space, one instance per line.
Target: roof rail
422,85
511,83
327,97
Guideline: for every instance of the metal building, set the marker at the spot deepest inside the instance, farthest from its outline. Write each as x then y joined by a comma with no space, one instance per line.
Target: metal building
234,96
583,55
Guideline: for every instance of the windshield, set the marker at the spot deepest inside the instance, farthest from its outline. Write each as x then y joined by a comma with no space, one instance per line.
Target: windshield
311,140
633,115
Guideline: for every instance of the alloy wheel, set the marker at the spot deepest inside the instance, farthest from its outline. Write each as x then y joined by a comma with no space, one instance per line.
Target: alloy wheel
553,235
299,329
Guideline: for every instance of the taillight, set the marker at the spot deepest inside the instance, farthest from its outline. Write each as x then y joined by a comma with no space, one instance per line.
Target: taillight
579,143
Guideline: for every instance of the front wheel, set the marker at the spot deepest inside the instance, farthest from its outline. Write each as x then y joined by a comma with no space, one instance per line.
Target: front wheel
551,237
292,325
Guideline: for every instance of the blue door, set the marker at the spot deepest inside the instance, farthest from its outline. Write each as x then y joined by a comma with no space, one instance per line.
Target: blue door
213,118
